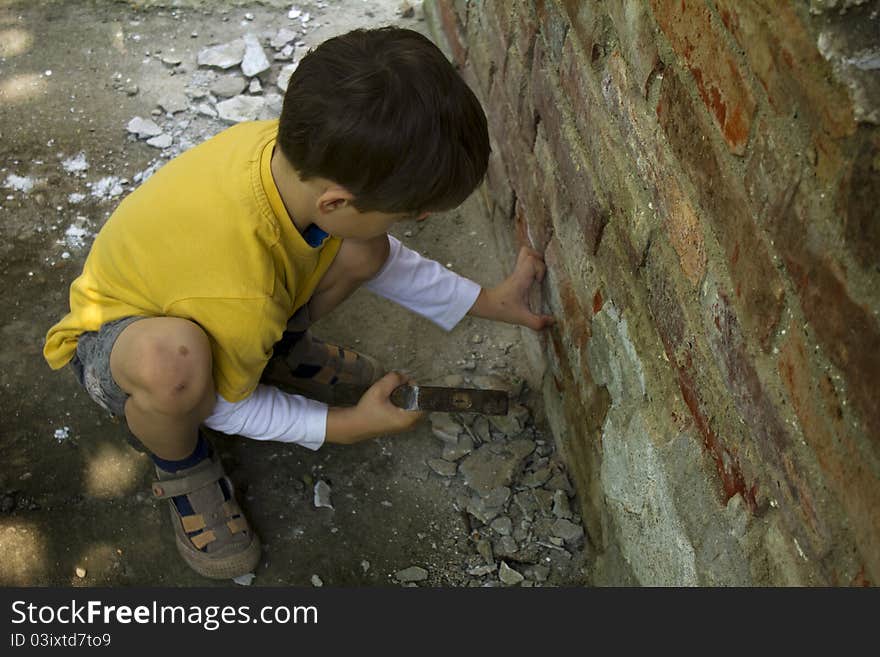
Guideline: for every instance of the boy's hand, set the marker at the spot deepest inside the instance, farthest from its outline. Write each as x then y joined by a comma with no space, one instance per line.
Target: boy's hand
509,301
373,416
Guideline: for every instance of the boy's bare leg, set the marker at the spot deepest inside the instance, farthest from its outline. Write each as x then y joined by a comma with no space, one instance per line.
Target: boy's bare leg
164,364
357,262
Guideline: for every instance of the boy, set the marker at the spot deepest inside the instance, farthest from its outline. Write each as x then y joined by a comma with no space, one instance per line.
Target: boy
206,278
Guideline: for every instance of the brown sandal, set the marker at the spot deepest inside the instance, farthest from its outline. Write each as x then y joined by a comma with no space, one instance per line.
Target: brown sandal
215,539
320,370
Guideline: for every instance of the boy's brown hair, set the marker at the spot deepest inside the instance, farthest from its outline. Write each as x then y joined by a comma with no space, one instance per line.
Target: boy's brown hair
384,114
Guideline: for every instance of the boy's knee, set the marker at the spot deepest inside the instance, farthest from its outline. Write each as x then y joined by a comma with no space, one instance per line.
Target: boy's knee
365,258
166,365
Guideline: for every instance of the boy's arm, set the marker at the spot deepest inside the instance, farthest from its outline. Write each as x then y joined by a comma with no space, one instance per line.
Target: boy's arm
272,414
433,291
424,286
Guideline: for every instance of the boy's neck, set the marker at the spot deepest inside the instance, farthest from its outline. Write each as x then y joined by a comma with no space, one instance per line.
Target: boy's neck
295,194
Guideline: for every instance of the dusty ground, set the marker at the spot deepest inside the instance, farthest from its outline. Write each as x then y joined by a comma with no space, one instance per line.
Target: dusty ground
73,495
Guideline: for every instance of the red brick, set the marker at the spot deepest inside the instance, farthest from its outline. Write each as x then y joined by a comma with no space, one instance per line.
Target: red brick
498,182
678,342
554,26
453,31
784,57
636,29
771,175
686,234
722,87
758,285
481,61
485,32
588,22
860,207
516,87
836,446
524,23
768,435
848,332
575,79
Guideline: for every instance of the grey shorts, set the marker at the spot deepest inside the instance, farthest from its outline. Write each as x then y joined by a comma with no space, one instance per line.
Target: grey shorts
91,365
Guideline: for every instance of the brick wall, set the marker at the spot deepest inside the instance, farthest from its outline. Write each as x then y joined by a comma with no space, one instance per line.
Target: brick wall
703,178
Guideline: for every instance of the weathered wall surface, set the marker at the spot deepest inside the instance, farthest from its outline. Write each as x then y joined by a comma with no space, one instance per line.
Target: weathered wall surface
703,178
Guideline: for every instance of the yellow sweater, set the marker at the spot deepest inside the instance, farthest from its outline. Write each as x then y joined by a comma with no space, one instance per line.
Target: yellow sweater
206,238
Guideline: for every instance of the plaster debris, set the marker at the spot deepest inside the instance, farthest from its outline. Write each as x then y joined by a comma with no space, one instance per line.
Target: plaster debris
76,197
76,234
224,56
244,580
462,448
76,164
255,87
62,434
22,184
284,76
161,141
283,37
317,582
508,575
174,102
322,495
241,108
227,86
411,574
143,128
445,428
206,110
443,467
480,571
254,61
107,187
567,530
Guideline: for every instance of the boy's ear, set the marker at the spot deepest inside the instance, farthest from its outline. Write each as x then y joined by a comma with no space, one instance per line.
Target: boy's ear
334,198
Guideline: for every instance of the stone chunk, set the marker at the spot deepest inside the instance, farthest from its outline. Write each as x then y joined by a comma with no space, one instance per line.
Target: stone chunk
461,449
506,547
411,574
160,141
567,530
494,466
143,128
223,56
284,76
173,102
322,495
254,60
443,467
445,428
282,38
514,422
561,507
480,509
508,575
240,108
537,478
228,86
503,525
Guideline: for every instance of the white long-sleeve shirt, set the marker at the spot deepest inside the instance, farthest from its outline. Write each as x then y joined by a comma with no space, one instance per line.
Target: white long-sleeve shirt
421,285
